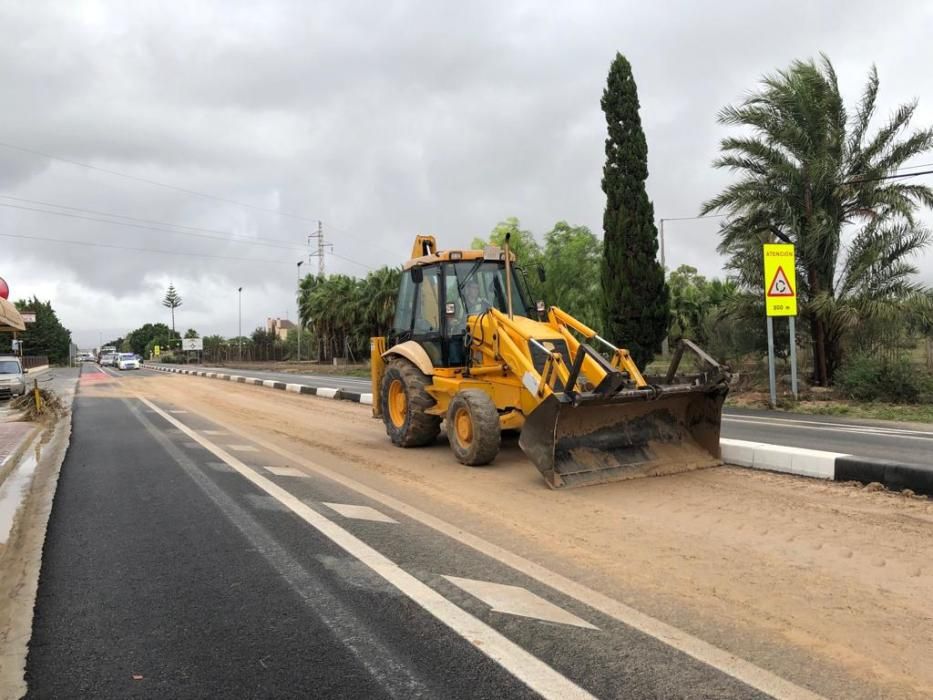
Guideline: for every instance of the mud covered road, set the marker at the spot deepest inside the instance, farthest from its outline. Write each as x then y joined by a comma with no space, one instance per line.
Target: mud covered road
721,582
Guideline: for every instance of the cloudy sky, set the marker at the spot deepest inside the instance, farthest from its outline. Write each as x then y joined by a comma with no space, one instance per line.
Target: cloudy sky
248,122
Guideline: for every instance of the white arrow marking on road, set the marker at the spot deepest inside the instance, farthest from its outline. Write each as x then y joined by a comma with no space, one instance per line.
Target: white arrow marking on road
528,668
360,512
514,600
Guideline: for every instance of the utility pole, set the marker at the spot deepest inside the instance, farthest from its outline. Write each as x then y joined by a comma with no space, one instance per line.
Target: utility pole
239,335
321,245
661,237
298,315
665,344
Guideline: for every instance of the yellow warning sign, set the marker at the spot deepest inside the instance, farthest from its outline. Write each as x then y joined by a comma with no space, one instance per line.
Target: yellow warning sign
780,279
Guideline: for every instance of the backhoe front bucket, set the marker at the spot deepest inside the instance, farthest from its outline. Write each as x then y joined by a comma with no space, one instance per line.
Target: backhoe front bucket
636,433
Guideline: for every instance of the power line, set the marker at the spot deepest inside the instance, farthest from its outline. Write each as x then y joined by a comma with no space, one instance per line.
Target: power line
139,220
914,167
350,260
168,186
692,218
147,181
143,250
152,228
887,177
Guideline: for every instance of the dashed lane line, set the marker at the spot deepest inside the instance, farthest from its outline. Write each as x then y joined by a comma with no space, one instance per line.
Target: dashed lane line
360,512
242,448
529,669
287,471
725,661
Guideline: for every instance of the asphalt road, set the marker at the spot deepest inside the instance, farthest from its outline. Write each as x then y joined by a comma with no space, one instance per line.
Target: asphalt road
186,561
864,438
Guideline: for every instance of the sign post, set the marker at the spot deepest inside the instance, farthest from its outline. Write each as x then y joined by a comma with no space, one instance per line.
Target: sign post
781,300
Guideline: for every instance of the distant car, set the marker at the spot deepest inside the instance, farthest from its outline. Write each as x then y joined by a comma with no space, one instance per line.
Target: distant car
12,377
127,360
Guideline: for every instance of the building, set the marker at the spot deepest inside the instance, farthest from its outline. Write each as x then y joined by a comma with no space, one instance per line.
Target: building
280,327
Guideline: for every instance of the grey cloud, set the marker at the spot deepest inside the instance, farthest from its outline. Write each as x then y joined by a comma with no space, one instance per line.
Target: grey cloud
382,120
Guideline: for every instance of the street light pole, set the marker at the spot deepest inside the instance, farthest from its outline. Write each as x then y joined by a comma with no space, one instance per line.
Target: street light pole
239,335
298,315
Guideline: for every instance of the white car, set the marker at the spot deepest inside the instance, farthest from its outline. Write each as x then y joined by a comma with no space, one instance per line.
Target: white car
127,360
12,377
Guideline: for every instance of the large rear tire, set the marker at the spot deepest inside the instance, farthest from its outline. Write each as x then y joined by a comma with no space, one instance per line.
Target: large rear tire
473,428
404,400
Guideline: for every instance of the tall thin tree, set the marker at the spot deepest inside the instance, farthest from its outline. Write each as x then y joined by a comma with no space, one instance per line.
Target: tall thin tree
172,301
635,295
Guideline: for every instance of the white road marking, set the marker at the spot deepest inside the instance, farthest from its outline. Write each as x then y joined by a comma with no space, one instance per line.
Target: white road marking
327,393
294,388
215,432
725,661
177,411
287,471
269,383
360,512
514,600
841,427
536,674
242,448
366,399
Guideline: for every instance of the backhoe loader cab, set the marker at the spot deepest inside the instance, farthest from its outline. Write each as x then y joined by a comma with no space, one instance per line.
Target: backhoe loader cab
469,348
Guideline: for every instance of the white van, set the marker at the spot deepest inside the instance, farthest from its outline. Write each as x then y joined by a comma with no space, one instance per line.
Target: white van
12,377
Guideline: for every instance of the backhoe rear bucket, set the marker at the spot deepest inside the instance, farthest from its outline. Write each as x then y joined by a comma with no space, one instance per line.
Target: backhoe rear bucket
636,433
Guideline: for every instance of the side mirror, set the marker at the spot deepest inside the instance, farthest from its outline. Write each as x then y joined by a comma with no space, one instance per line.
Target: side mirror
541,275
417,275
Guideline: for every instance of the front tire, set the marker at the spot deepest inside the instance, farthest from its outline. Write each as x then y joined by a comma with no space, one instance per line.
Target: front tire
404,399
473,428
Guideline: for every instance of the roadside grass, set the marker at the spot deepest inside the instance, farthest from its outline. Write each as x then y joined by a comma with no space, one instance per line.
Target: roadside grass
908,413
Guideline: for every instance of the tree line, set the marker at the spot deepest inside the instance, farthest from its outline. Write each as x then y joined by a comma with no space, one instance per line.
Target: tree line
808,170
47,336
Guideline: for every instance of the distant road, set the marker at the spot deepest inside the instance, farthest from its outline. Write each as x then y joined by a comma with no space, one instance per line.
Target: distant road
884,439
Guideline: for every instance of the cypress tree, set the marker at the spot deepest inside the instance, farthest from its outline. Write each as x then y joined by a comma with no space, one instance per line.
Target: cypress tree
635,296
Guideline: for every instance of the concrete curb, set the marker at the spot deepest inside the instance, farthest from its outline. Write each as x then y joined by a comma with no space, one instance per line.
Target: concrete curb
323,392
833,466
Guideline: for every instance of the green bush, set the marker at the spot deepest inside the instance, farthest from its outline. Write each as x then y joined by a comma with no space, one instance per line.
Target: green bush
867,378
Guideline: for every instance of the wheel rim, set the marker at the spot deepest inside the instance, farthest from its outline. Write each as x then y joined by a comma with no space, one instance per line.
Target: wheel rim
464,427
398,403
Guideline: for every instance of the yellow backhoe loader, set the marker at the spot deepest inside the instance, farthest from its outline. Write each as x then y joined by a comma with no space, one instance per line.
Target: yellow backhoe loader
468,348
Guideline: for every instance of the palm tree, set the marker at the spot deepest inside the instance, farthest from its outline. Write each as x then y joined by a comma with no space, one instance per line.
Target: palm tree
811,173
379,293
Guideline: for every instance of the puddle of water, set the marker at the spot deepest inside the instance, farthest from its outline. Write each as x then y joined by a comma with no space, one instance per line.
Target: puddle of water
13,490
